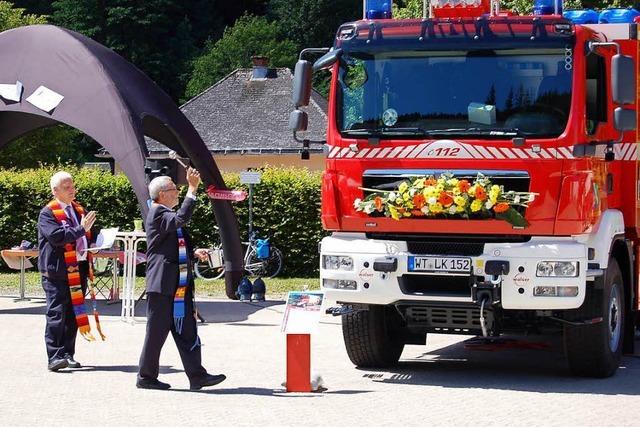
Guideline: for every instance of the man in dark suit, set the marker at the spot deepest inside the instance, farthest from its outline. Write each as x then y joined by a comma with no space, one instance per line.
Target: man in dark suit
170,285
63,227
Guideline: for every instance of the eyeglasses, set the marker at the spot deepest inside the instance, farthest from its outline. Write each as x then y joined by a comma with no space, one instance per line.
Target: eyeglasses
170,189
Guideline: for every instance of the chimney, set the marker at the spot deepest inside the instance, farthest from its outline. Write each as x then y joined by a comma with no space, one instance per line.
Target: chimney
260,67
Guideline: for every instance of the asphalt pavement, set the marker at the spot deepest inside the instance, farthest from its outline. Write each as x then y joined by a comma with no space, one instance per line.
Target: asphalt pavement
442,383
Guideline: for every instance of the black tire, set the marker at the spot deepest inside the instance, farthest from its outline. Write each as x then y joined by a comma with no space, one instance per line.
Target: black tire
368,337
204,271
595,350
266,268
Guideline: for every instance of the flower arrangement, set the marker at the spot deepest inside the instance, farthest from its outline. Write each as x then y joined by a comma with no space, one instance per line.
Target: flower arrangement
447,196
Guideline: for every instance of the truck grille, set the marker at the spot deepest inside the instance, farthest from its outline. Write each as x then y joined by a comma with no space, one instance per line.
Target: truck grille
442,286
445,248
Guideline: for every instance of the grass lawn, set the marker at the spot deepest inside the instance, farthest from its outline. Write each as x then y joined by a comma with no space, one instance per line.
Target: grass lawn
276,288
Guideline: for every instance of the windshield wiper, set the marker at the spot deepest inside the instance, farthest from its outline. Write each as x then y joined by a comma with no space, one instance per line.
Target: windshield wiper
386,131
502,132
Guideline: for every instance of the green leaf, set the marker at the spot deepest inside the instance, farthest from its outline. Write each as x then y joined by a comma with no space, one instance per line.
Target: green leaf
513,217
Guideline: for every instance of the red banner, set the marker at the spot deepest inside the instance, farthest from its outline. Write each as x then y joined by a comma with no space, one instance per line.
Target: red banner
233,195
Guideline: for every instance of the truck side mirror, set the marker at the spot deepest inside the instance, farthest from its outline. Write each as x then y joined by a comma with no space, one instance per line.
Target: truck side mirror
624,120
327,60
623,83
298,121
302,83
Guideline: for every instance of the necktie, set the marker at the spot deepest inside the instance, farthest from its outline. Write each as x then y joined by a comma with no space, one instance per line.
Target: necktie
72,216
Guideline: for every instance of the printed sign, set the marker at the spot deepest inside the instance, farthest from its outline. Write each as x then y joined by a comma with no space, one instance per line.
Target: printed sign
248,177
302,313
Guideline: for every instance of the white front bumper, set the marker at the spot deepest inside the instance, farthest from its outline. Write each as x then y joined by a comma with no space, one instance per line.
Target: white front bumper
516,290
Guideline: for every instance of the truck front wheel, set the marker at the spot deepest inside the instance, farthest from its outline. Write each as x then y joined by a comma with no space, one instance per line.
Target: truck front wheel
595,350
370,339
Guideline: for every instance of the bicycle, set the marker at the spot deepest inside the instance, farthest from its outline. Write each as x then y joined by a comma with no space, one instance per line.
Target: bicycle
269,267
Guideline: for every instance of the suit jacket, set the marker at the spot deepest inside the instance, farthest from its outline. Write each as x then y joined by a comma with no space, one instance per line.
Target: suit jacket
52,236
162,246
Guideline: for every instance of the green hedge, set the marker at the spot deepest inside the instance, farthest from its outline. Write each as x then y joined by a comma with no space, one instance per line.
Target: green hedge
286,208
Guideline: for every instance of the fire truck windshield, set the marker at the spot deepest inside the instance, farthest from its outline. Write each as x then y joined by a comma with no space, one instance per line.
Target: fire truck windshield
471,94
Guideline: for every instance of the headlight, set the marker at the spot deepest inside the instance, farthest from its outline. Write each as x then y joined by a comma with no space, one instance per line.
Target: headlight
337,262
557,269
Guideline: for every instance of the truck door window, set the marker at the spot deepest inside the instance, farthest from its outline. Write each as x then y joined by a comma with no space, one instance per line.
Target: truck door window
596,92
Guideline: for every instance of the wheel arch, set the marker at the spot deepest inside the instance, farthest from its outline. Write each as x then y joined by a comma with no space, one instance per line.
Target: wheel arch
622,252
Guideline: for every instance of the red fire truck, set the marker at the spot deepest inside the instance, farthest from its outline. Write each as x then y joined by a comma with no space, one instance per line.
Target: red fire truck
481,178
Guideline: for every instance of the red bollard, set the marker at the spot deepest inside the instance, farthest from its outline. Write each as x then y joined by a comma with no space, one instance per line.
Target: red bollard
299,362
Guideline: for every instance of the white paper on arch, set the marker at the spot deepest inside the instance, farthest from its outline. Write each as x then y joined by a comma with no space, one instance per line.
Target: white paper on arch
11,92
45,99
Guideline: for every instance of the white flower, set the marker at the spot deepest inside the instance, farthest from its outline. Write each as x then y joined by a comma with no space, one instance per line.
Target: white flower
452,209
488,205
432,200
356,204
425,209
516,199
392,196
369,208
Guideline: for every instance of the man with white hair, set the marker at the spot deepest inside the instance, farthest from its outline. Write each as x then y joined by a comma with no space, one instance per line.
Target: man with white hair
64,234
170,285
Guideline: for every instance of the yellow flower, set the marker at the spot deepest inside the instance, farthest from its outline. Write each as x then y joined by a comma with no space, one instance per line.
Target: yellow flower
460,201
406,196
459,209
430,191
394,212
403,187
419,183
436,207
476,205
453,182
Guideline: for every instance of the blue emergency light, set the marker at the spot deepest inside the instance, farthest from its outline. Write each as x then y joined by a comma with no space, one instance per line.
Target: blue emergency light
378,9
547,7
618,16
583,16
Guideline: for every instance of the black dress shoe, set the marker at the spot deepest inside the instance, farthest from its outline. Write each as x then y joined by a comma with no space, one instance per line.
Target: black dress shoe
152,384
207,381
57,364
72,363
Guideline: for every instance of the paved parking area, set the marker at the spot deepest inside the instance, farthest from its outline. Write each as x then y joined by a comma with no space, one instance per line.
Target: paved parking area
440,384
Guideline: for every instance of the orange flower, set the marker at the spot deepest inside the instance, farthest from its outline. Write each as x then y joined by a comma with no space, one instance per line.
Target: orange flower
445,199
378,202
501,207
463,185
480,193
430,181
418,201
417,212
401,210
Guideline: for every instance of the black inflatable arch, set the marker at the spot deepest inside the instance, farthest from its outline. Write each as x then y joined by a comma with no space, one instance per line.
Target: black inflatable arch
114,103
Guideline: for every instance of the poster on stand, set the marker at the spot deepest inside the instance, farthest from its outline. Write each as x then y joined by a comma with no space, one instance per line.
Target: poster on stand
302,313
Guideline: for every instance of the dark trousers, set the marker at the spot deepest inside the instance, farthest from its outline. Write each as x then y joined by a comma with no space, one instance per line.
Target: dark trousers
159,323
61,327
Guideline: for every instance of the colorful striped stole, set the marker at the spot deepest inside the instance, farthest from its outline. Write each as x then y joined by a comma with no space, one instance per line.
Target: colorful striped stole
181,290
73,274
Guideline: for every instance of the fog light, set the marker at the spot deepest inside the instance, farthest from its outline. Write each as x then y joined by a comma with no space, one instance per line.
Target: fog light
337,262
544,291
351,285
567,291
557,269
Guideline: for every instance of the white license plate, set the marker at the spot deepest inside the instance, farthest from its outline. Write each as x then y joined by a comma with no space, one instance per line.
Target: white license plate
440,264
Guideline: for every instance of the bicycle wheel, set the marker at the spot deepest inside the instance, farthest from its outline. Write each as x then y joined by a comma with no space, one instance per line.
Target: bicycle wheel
204,271
268,267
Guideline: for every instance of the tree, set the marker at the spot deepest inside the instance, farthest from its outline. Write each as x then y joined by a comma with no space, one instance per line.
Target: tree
50,146
313,23
12,17
251,35
157,36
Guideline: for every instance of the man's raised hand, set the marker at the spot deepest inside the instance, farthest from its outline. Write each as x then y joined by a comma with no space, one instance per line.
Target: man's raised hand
87,220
